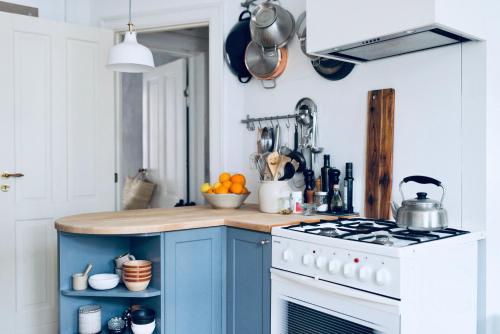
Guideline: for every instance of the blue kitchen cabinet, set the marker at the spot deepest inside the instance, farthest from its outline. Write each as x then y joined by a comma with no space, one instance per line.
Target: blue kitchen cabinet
248,282
194,281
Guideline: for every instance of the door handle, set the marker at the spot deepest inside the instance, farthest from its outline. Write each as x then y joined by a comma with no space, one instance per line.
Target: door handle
4,188
6,175
264,242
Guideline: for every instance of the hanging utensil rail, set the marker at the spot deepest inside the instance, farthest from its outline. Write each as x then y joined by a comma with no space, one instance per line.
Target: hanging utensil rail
250,121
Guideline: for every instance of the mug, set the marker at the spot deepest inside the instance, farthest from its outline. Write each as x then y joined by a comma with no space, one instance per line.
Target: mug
121,259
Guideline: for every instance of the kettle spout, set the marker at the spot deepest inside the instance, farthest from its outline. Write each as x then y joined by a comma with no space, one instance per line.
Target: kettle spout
394,209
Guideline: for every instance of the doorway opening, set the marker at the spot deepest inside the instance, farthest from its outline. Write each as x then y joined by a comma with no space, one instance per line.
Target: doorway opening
165,117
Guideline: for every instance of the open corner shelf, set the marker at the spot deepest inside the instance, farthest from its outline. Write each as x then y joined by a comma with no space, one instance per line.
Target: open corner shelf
119,292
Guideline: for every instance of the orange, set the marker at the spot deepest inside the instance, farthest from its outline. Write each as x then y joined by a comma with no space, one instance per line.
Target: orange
238,178
223,177
244,191
210,191
236,188
227,184
221,190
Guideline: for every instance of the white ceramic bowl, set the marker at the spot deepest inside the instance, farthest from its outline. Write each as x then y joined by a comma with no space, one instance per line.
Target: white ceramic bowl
104,281
225,201
136,286
143,329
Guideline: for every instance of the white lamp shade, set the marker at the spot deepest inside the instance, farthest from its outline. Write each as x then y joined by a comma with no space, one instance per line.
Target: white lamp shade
130,56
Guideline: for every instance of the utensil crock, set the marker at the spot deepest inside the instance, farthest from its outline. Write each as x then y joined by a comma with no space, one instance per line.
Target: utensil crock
272,195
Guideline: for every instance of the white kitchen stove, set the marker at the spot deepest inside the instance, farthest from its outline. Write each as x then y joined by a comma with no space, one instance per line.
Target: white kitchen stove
389,279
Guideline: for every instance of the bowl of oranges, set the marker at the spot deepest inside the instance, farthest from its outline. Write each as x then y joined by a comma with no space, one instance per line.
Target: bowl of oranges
228,193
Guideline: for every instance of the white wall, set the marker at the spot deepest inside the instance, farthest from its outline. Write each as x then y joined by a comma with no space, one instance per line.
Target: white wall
427,124
493,168
74,11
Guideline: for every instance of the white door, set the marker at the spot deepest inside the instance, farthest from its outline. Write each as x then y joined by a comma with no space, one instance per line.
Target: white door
56,128
164,131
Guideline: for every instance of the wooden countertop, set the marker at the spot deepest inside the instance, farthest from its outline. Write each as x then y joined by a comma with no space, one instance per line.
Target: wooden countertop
163,220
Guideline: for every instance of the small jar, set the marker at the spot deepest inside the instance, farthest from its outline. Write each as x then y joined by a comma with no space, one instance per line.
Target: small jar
321,201
89,319
80,281
296,201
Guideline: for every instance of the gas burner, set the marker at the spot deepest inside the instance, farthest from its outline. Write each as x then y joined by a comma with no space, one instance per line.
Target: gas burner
365,225
328,232
383,239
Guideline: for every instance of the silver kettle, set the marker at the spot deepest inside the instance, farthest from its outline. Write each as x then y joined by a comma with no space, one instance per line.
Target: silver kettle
421,213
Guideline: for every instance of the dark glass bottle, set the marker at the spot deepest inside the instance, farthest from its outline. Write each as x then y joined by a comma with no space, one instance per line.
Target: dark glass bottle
325,183
348,188
333,179
309,191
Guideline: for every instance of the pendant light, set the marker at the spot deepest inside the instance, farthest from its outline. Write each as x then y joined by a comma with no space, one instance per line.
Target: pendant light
129,56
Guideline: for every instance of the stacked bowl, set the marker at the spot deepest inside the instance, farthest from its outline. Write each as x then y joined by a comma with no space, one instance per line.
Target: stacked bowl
137,274
143,321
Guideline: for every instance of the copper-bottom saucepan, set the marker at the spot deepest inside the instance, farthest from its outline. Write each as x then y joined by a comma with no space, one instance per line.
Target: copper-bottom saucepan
265,65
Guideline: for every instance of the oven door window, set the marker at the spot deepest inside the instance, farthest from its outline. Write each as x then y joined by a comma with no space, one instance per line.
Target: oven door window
304,320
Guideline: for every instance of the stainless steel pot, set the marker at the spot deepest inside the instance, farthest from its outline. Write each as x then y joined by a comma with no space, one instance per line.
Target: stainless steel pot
271,26
420,213
265,66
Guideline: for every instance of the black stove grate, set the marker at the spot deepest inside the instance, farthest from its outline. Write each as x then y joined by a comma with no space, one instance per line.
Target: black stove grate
364,226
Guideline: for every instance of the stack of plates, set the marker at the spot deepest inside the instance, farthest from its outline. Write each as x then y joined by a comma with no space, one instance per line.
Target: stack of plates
137,274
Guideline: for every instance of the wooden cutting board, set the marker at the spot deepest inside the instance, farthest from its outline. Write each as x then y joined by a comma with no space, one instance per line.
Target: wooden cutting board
379,153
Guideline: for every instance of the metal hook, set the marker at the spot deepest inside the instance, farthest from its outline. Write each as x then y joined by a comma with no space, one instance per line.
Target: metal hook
288,123
271,121
260,125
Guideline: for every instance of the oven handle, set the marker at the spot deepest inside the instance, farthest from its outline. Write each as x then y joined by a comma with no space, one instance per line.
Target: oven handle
332,287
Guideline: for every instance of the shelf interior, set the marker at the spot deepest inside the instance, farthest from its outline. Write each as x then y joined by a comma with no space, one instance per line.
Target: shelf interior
75,251
120,291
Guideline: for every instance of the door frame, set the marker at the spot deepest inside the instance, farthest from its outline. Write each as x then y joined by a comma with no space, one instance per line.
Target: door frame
175,18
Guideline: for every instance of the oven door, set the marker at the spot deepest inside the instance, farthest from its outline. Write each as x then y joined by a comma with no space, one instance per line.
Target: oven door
304,305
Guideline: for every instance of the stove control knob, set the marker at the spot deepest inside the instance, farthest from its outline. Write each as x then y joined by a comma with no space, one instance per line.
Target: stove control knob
349,270
382,277
287,255
365,274
334,266
307,259
320,262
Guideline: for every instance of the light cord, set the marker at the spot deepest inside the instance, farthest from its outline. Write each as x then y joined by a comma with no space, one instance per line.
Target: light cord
130,24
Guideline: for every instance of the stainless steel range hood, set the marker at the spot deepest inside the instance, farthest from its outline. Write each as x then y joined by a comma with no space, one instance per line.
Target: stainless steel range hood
396,44
360,31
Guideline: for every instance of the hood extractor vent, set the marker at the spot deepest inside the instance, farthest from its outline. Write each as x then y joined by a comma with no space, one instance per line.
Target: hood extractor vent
396,44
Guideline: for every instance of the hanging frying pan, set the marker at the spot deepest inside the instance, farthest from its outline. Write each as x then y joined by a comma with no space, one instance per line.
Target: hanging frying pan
236,44
332,69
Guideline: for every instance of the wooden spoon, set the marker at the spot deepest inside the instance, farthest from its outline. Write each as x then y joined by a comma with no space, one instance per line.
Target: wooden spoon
273,161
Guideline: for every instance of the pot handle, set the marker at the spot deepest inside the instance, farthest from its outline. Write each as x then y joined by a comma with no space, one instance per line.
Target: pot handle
270,81
244,79
241,18
422,180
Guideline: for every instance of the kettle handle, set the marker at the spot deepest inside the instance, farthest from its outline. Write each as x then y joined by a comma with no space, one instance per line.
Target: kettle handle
422,180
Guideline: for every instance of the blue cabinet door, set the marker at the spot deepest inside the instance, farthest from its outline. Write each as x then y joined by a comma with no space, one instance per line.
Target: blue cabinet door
193,281
248,282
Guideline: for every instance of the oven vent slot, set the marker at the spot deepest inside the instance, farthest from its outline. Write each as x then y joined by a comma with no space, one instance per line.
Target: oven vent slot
303,320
